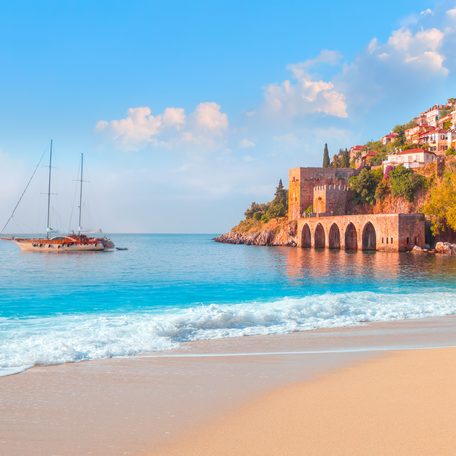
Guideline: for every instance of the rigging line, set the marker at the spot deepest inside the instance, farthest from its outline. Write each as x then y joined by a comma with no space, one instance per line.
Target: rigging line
23,193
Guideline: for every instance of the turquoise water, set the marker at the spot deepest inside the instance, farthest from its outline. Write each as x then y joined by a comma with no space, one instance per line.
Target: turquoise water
169,289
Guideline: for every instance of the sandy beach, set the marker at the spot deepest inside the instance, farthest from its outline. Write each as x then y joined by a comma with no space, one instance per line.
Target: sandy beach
403,403
354,389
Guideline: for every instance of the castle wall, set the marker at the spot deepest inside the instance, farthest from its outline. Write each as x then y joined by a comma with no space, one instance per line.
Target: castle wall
388,232
330,199
301,183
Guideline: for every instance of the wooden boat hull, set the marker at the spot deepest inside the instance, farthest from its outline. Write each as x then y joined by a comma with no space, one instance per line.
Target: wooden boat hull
65,245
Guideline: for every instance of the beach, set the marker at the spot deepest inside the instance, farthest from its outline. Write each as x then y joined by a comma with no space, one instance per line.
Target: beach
403,403
347,382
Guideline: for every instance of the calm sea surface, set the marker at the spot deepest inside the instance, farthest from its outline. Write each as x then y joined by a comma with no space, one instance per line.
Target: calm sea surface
169,289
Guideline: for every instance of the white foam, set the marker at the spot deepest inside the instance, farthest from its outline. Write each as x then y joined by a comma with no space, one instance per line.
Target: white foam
56,340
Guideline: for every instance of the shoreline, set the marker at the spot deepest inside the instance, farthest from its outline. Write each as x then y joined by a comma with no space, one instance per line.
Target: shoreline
138,405
400,403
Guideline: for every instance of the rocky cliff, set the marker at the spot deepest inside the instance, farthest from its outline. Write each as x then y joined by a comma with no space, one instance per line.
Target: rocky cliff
253,232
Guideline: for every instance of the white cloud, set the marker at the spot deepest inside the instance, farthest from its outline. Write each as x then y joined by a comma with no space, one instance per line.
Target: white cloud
420,51
246,143
204,127
451,13
427,12
305,94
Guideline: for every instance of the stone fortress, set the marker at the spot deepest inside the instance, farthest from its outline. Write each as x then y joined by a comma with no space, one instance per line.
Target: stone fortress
318,200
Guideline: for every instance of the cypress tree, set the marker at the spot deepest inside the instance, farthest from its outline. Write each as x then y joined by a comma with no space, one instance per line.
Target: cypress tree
326,161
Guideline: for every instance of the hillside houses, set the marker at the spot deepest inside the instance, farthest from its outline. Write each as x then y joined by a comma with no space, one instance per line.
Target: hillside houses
428,137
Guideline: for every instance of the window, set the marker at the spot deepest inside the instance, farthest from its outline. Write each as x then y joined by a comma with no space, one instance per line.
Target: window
408,240
387,240
383,241
391,240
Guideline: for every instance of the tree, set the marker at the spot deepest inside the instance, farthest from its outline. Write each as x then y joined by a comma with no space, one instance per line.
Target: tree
326,161
346,159
364,185
405,183
276,208
440,205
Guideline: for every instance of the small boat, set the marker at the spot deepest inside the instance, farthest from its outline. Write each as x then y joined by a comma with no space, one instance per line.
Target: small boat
74,242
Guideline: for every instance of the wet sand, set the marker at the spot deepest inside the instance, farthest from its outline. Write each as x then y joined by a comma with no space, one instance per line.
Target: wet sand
141,405
403,403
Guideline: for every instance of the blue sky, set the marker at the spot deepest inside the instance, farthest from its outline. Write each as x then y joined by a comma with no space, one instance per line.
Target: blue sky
188,111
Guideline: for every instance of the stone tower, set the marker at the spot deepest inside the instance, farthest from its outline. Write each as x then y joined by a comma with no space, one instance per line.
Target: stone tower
301,183
330,199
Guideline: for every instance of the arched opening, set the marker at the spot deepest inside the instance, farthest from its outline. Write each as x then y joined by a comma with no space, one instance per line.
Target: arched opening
351,237
334,237
319,237
369,237
306,236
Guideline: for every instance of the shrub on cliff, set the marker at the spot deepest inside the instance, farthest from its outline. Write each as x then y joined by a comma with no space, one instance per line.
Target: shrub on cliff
364,185
276,208
440,205
405,183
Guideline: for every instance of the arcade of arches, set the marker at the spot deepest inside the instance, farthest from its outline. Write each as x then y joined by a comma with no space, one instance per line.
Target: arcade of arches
388,232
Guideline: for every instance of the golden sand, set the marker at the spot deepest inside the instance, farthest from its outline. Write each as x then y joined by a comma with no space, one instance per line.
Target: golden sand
400,404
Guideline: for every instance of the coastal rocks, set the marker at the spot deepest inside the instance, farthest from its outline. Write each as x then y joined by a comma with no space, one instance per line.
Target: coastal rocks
274,233
445,248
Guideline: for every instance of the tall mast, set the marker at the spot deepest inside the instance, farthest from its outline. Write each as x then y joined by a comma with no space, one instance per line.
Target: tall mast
81,180
48,228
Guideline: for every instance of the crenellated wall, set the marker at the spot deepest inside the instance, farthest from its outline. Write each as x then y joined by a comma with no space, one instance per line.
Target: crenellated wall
301,183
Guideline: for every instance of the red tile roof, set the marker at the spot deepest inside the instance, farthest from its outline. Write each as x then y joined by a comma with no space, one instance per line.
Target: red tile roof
414,151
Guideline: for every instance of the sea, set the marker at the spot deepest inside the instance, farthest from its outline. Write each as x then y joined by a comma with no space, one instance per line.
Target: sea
167,289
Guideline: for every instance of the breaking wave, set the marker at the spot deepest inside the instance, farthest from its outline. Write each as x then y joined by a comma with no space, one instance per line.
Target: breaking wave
53,340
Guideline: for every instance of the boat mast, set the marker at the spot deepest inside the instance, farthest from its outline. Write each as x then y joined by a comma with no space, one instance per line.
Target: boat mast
48,228
81,180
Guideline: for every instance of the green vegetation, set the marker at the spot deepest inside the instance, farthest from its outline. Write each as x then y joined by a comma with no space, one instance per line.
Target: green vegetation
326,161
276,208
364,185
341,160
405,183
450,151
440,205
400,130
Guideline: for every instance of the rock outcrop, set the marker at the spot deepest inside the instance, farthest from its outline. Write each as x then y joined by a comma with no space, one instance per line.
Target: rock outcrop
277,232
445,248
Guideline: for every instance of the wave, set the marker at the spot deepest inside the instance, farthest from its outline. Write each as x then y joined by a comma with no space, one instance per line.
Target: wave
55,340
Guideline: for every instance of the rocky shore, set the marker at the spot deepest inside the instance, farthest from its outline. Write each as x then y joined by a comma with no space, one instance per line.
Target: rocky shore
276,232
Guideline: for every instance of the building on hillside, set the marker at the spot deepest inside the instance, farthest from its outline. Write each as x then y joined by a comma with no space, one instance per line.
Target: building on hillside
412,135
452,138
389,138
453,119
432,115
411,159
435,140
302,184
445,122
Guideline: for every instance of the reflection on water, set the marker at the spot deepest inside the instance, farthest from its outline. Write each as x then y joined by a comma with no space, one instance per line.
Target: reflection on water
168,289
166,271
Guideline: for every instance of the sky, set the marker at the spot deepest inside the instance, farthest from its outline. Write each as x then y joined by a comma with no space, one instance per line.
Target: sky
189,111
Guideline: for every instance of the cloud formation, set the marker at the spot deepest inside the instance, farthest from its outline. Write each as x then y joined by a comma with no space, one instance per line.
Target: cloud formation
305,94
204,127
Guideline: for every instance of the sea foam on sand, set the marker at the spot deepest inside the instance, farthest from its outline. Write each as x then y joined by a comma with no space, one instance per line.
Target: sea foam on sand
58,339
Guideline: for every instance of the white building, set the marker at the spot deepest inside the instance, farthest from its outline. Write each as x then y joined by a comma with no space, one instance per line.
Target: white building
411,158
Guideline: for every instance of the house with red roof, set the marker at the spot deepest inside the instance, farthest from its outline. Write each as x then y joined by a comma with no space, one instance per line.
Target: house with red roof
389,138
435,140
410,158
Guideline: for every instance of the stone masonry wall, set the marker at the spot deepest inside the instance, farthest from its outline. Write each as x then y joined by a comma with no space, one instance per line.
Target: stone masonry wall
302,182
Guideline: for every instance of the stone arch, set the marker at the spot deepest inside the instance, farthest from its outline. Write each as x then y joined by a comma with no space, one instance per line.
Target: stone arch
334,237
369,237
306,237
351,237
319,237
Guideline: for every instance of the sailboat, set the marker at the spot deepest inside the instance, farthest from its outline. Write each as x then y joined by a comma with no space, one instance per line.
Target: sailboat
74,242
